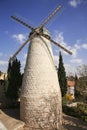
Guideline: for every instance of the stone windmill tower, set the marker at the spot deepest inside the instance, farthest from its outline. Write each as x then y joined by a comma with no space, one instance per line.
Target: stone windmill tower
40,101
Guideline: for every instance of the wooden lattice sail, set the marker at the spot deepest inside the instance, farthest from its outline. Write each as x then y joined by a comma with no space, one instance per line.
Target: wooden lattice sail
40,104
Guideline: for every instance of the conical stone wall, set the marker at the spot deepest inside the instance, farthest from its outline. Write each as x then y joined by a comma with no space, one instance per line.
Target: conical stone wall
40,102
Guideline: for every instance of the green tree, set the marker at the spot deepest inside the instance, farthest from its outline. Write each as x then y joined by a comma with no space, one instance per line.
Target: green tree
8,79
62,75
0,73
14,80
77,93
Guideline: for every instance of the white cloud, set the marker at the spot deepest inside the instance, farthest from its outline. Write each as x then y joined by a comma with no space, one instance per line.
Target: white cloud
77,46
80,46
74,52
75,3
25,55
68,67
56,59
19,37
77,61
84,46
3,62
70,70
75,49
60,39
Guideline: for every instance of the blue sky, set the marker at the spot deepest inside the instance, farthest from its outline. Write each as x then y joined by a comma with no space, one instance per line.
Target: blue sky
68,27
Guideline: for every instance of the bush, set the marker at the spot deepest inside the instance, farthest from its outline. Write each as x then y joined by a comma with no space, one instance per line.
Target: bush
80,111
72,111
67,99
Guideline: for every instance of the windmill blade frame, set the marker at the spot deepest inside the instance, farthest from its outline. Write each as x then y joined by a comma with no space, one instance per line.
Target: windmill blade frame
11,59
30,38
38,31
50,16
20,21
56,43
43,23
41,34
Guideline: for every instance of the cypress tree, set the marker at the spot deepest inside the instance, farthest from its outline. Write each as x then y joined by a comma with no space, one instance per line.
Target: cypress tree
7,81
14,80
62,75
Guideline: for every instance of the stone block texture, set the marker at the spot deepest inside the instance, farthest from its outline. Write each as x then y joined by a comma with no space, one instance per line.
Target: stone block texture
40,101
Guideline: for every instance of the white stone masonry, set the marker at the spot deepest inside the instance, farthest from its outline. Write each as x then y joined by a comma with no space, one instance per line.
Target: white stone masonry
40,102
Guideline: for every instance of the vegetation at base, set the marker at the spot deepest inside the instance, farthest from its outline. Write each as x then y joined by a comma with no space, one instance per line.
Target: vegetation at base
81,84
62,76
80,111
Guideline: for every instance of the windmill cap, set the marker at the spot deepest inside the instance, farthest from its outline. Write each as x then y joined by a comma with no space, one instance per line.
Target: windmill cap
45,31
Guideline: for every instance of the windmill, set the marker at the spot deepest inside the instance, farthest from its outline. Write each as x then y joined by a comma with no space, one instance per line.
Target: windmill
40,101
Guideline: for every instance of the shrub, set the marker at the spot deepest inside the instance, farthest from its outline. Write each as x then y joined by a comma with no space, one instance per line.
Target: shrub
80,111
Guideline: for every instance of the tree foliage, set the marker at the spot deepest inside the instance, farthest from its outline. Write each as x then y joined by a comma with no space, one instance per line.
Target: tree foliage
82,71
14,80
82,82
0,73
62,75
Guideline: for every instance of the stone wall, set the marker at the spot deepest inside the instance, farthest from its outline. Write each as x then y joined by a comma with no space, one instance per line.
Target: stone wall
40,102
